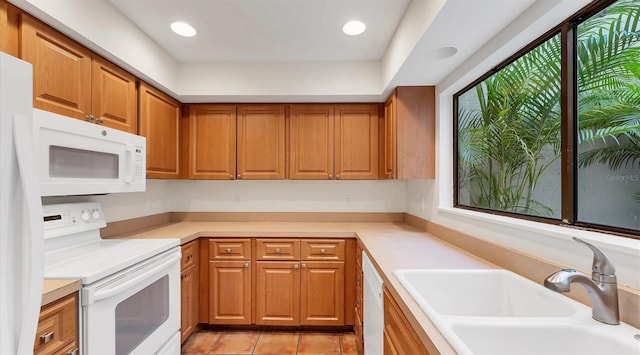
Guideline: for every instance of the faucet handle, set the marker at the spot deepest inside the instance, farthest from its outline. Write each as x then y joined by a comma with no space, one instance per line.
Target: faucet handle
601,264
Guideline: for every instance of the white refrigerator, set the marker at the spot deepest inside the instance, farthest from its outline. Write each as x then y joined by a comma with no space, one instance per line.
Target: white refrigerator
21,224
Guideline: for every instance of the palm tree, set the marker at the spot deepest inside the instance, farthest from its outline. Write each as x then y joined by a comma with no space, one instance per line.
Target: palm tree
609,82
509,131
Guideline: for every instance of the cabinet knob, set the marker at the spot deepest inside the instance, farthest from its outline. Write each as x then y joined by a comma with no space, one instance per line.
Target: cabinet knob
337,176
99,120
89,118
239,176
230,176
295,266
277,250
322,251
330,176
228,251
304,266
73,352
189,257
46,337
246,265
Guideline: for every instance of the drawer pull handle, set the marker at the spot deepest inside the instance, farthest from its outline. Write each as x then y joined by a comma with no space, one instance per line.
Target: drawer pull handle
46,337
277,250
322,251
228,250
73,352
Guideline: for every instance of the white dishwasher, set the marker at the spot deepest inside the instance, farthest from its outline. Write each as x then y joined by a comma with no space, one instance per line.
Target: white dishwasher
373,317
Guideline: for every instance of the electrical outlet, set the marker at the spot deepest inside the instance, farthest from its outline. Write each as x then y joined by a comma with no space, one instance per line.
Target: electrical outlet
237,198
348,201
422,204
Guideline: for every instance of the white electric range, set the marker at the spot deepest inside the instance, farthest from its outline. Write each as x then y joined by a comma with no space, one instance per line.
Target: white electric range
130,297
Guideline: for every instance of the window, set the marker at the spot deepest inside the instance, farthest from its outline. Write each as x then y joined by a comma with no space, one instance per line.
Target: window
513,125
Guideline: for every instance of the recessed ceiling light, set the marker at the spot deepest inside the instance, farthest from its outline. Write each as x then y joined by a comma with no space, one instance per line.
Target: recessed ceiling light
442,52
183,29
354,28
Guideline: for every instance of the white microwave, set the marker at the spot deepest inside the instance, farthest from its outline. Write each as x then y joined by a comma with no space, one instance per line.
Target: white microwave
82,158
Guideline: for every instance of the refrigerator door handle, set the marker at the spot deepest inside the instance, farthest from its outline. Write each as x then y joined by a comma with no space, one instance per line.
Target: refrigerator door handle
34,260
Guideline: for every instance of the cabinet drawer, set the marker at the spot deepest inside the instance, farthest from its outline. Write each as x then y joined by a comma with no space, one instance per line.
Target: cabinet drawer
188,255
277,249
57,326
323,249
229,249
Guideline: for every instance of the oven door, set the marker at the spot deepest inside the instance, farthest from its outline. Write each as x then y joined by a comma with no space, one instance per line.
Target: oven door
135,311
80,158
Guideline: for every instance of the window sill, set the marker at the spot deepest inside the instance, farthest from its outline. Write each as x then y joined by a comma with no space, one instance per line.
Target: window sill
614,242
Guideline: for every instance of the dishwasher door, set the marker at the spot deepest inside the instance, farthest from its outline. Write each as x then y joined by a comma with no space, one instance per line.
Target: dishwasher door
373,309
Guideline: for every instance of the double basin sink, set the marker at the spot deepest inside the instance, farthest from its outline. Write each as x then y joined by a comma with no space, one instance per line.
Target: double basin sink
499,312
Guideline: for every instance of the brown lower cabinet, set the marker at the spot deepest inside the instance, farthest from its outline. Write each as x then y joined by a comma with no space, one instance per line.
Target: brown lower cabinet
279,282
57,331
399,336
189,289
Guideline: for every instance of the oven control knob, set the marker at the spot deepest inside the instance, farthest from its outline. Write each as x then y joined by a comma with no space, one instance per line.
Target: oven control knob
95,214
85,216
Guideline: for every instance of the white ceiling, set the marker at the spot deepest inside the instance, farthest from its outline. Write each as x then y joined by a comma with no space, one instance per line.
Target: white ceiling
268,30
294,50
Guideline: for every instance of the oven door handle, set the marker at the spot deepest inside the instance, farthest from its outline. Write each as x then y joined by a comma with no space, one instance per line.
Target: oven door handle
91,295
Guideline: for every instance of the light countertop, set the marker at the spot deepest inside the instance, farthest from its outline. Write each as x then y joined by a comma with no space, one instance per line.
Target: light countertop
392,246
53,290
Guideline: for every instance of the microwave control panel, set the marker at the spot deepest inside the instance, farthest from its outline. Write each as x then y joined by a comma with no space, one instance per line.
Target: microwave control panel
140,164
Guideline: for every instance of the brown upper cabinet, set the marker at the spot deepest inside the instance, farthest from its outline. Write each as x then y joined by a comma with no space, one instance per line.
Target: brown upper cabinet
261,141
9,28
333,141
244,141
71,80
212,141
409,133
160,123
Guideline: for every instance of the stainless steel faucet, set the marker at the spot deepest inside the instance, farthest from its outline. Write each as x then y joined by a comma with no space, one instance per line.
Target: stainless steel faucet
602,286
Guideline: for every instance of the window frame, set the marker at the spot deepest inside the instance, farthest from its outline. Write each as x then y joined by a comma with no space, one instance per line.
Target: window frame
567,30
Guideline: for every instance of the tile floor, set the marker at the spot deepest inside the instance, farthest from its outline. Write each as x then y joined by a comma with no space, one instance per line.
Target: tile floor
270,343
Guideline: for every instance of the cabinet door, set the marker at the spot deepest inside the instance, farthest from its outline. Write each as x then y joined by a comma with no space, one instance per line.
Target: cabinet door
261,141
188,302
61,69
160,123
277,293
230,292
9,28
356,141
311,128
113,90
390,137
322,293
399,336
212,142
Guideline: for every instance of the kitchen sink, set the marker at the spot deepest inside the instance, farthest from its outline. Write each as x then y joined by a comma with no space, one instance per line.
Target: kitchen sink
495,311
482,293
535,339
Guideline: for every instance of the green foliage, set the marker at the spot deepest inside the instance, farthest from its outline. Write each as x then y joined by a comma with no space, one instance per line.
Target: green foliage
509,126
